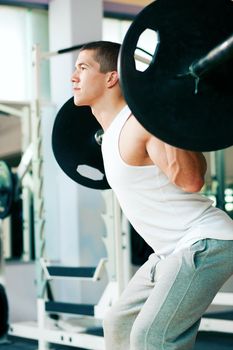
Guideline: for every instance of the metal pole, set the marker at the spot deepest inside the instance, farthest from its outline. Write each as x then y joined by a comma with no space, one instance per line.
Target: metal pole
38,196
37,171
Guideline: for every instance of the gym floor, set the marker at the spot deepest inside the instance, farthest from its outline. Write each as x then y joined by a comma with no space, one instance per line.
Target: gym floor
205,341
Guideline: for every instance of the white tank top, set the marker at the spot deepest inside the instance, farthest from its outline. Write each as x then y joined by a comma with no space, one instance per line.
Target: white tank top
166,217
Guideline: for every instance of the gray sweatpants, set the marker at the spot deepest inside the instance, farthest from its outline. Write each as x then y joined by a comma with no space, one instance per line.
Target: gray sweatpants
162,305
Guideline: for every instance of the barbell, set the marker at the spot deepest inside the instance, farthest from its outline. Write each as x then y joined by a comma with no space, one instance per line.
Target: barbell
184,97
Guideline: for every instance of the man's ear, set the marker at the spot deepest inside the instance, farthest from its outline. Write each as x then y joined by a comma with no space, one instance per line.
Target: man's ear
112,78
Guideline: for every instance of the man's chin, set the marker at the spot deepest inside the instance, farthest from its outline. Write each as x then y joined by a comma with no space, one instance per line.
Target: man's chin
77,102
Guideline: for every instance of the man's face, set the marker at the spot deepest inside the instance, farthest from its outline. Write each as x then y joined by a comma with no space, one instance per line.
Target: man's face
88,82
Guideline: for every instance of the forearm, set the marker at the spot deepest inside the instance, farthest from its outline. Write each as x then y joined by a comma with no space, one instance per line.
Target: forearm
186,169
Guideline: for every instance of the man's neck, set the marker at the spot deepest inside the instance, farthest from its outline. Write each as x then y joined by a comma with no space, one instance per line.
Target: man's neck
107,111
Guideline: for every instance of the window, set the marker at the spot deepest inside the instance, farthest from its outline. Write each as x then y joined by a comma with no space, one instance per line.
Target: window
20,28
115,29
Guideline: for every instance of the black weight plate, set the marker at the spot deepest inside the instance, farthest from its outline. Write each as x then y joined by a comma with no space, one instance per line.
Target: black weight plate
74,144
166,105
3,311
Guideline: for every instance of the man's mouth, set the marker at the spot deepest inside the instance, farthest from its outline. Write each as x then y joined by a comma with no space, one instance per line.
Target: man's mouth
76,87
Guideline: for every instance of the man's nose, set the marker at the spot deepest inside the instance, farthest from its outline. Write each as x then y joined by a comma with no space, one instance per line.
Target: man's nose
75,77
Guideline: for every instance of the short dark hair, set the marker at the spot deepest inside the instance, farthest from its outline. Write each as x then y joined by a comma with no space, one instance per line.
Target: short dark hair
106,54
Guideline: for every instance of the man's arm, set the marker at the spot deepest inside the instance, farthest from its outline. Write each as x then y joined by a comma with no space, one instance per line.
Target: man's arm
185,169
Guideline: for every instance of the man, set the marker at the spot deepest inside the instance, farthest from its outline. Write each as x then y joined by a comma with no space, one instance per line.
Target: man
156,185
